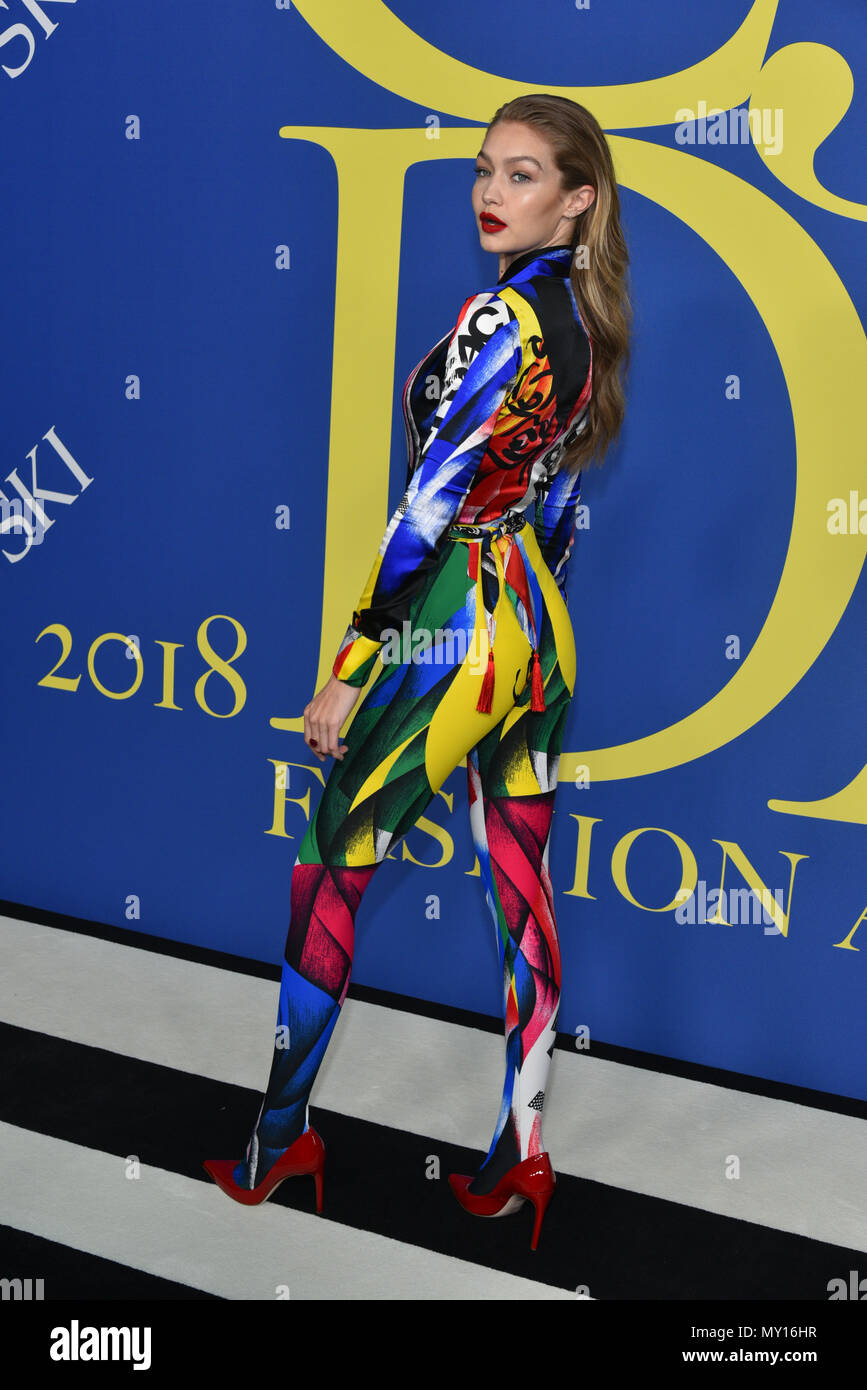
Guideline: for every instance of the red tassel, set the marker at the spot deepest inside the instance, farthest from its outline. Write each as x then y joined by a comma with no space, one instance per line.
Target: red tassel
486,695
537,699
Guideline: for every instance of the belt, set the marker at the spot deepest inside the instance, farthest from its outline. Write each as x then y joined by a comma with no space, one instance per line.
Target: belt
513,561
502,526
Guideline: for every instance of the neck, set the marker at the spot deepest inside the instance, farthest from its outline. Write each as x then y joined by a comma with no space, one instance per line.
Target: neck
508,258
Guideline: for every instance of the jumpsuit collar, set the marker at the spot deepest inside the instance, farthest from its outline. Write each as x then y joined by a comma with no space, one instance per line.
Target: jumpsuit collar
542,260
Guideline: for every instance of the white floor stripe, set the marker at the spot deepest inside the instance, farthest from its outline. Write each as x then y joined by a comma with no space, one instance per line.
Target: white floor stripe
192,1233
801,1170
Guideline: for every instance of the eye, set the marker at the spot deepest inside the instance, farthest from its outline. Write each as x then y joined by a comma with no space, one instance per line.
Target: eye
526,178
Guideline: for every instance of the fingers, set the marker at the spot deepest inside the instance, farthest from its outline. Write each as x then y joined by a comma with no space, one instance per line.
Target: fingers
311,734
328,737
324,717
322,733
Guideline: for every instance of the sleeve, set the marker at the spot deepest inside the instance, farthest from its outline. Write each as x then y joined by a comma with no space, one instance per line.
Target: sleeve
555,520
482,363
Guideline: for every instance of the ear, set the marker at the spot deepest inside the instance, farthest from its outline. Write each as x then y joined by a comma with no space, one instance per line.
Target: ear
580,202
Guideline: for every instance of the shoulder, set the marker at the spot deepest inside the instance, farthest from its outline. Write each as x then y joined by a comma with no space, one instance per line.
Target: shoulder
548,314
484,313
487,324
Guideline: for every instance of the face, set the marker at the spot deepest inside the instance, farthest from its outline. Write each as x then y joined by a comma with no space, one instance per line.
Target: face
517,185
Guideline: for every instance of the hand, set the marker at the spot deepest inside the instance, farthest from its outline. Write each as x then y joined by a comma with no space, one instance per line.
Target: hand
325,715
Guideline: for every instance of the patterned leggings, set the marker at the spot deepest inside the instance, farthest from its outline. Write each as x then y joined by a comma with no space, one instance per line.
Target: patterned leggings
417,722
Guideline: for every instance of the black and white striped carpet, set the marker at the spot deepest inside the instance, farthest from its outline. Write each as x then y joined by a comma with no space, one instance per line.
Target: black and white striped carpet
128,1059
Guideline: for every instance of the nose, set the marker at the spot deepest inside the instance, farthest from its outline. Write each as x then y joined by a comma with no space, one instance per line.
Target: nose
491,192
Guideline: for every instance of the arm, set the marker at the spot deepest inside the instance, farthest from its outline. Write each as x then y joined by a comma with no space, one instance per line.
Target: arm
482,363
554,522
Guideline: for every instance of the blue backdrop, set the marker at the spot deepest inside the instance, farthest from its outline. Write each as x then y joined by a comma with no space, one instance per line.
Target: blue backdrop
175,330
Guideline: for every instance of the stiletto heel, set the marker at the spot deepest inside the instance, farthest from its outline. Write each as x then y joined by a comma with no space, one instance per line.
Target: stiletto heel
540,1204
317,1178
305,1156
533,1181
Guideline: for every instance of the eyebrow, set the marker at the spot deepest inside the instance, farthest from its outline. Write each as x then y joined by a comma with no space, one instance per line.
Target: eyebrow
513,159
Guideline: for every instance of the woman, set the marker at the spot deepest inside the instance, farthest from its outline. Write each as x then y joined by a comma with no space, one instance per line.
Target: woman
461,576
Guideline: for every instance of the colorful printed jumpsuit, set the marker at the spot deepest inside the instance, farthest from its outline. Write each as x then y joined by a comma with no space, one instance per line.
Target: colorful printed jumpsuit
464,619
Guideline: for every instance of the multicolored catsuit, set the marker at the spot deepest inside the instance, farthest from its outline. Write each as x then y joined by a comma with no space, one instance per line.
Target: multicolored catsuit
464,621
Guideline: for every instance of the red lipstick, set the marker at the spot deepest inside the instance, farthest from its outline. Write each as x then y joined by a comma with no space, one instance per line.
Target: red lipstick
490,223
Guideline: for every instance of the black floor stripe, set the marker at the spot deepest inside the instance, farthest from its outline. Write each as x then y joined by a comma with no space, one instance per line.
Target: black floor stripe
647,1061
68,1273
619,1244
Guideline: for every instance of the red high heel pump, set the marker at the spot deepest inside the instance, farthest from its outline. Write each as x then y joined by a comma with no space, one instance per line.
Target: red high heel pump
533,1181
306,1155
